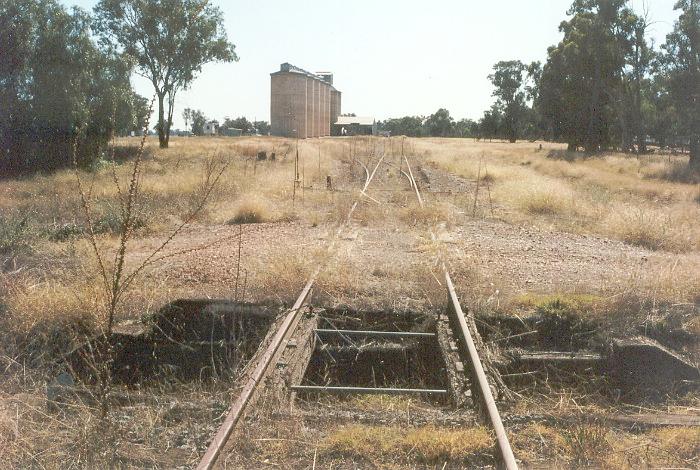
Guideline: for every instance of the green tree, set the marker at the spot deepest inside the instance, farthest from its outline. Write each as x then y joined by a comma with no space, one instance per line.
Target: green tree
440,123
513,90
169,40
579,95
490,124
466,128
680,61
56,86
187,116
411,126
263,127
198,121
661,119
239,123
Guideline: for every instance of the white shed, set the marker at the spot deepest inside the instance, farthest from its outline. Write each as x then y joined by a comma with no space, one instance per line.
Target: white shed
211,127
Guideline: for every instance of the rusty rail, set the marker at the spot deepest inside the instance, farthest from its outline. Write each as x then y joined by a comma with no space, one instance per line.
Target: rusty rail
291,320
236,411
487,396
503,444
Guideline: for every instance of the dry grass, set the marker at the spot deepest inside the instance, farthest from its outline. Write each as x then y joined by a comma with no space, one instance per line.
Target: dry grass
251,210
173,179
428,216
647,201
590,445
430,445
684,443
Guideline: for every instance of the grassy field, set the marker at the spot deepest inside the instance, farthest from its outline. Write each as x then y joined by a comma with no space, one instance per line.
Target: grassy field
616,236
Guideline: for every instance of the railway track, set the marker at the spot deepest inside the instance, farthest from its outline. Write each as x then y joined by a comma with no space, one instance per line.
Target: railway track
283,337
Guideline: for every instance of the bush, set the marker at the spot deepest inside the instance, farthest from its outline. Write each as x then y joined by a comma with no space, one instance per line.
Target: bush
543,202
251,211
566,155
111,222
63,232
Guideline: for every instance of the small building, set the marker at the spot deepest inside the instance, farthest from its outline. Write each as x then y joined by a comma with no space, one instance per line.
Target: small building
231,132
355,125
211,127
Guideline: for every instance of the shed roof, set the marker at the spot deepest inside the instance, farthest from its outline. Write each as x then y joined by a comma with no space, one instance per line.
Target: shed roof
361,120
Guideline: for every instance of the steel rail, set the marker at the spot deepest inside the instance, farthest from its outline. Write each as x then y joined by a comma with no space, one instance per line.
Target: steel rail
238,407
413,181
236,411
486,394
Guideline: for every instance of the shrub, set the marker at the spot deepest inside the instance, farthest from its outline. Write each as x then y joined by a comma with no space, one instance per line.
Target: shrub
251,211
543,202
63,232
111,222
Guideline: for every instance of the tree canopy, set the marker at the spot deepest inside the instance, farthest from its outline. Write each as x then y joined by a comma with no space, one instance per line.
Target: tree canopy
512,90
679,64
603,85
169,41
440,124
57,87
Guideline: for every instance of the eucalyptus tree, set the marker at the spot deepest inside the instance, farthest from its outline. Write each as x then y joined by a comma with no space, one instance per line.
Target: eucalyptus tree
169,41
440,123
514,86
57,88
580,84
680,61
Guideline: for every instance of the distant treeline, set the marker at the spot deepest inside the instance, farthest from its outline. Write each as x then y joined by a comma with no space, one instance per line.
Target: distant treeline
604,86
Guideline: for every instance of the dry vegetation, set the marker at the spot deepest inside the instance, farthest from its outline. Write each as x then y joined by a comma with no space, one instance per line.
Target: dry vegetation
642,200
49,287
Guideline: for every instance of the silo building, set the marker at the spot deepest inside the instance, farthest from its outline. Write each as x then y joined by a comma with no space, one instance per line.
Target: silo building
302,104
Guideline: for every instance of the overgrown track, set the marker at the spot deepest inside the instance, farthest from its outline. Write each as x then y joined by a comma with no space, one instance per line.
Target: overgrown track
455,311
284,332
286,329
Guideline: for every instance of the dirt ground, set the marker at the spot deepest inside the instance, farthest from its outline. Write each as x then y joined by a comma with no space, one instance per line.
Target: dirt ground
384,252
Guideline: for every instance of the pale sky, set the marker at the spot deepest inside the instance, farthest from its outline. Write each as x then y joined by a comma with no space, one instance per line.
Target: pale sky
390,58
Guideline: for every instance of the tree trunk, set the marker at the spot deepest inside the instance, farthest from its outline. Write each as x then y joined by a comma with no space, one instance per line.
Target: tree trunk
592,138
169,121
694,162
162,140
626,139
640,127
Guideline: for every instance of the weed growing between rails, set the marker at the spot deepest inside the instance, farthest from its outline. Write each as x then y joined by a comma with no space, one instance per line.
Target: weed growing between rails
115,278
